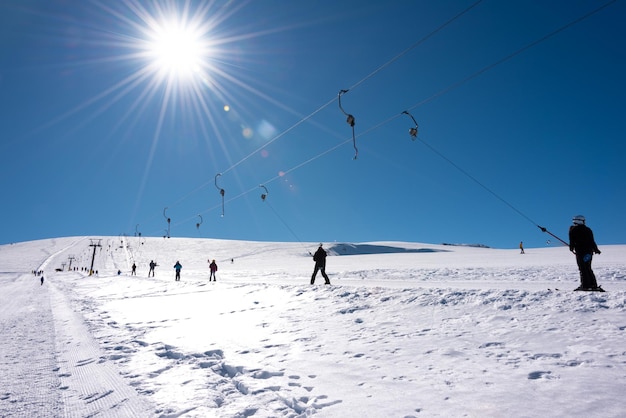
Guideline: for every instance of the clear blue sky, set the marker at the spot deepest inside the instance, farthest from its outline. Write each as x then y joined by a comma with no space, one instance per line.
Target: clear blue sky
113,111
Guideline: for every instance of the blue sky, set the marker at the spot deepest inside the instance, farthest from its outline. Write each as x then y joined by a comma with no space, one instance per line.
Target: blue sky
113,111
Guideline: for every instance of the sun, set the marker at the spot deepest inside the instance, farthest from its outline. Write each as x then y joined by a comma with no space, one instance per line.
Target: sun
176,49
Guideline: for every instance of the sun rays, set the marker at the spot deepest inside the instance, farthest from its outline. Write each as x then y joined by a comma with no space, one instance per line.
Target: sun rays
153,69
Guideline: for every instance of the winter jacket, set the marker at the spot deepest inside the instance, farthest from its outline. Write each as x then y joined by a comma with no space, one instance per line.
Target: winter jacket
320,257
581,240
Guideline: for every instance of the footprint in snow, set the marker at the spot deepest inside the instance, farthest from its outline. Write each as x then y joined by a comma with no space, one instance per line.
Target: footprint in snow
539,375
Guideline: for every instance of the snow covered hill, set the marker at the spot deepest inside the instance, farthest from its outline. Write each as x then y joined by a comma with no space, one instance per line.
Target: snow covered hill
405,330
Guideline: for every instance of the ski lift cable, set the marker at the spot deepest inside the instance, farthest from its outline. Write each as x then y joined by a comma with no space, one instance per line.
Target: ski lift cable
475,180
292,169
514,54
265,145
416,44
271,180
361,81
264,199
329,102
440,93
489,190
280,135
280,218
448,89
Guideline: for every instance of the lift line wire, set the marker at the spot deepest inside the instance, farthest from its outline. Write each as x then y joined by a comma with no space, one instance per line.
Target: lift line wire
416,44
494,194
514,54
331,101
388,120
280,218
367,77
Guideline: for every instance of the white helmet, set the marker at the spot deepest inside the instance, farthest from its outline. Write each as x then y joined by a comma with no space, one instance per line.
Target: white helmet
578,220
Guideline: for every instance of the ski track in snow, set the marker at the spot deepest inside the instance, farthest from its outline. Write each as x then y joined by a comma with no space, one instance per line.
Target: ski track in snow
476,337
54,360
27,358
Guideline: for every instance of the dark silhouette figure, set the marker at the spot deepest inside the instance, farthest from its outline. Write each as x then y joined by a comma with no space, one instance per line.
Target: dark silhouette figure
152,266
582,243
177,267
320,264
42,280
134,270
213,268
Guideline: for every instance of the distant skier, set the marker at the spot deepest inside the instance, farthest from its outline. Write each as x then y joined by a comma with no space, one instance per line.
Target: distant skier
582,243
521,247
42,280
213,268
177,267
320,264
134,270
152,266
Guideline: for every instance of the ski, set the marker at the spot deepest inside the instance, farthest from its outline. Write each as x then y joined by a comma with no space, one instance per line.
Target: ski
589,289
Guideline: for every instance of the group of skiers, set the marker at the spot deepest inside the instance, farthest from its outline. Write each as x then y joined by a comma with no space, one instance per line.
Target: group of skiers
212,268
319,257
581,243
177,268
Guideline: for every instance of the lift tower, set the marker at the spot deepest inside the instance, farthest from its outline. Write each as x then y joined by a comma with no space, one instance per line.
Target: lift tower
95,243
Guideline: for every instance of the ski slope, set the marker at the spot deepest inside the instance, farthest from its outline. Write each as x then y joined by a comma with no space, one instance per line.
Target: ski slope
405,330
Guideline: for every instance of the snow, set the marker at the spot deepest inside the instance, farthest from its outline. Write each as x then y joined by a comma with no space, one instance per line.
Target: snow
404,330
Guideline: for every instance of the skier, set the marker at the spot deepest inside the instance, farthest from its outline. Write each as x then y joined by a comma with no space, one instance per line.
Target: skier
320,264
213,267
42,280
177,267
152,266
582,243
134,270
521,247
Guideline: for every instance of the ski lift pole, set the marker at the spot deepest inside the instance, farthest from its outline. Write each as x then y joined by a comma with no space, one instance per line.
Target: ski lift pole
351,121
280,218
264,195
550,233
168,222
412,131
222,191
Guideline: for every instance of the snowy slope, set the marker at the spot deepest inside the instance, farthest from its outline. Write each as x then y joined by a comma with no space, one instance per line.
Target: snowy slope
405,330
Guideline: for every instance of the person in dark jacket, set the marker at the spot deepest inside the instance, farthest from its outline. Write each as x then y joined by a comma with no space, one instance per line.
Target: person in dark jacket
582,243
177,267
213,268
320,264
